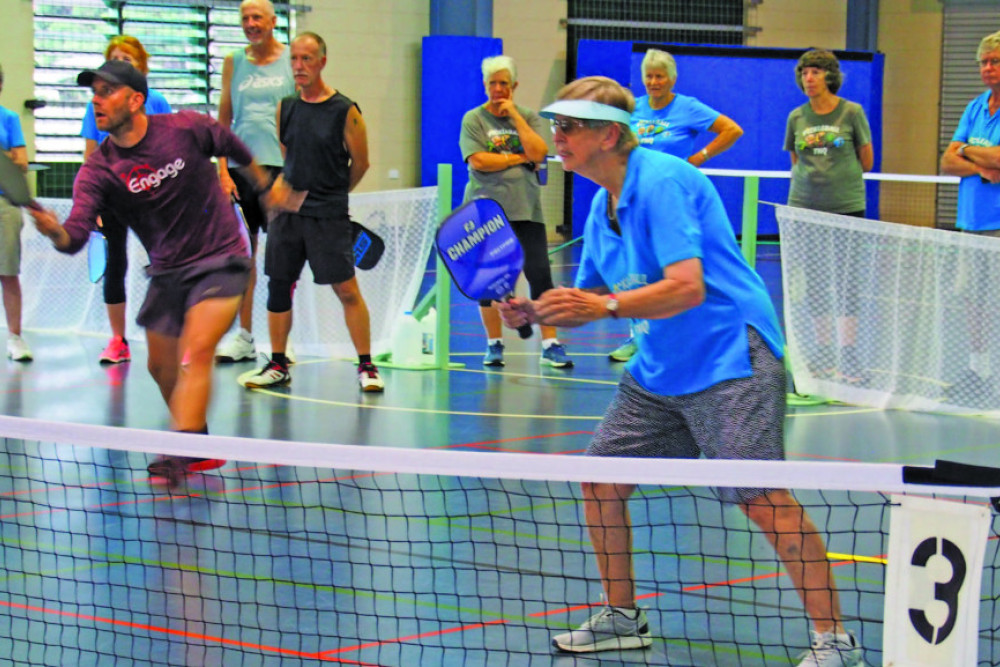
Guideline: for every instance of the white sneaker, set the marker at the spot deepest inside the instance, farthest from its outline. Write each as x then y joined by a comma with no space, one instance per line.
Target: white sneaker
830,650
239,347
17,348
289,353
272,374
607,630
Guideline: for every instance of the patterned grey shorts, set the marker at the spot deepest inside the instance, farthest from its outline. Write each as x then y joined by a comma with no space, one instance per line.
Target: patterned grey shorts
742,418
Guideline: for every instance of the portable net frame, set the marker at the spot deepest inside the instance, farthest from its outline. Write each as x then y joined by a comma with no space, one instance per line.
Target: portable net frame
306,553
890,315
58,297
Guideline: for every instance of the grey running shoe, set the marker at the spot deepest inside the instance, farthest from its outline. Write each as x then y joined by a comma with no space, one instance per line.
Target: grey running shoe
830,650
239,347
607,630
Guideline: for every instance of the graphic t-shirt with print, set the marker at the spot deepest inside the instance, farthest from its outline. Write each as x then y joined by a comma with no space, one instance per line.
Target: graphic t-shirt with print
828,174
516,188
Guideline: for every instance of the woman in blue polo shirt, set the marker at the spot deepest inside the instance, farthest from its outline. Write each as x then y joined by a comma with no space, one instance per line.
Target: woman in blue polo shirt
707,377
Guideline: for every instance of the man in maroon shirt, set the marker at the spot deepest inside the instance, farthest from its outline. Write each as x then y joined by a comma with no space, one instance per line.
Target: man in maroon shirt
156,172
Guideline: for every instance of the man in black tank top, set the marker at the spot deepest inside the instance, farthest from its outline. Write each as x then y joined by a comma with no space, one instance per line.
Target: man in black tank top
326,153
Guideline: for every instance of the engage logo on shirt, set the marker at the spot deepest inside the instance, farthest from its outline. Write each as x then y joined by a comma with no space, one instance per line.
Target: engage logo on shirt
143,178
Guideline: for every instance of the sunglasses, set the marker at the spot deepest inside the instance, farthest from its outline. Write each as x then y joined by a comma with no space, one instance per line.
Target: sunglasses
571,125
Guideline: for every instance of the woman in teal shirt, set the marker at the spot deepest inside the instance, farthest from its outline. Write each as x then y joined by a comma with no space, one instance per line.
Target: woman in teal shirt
671,123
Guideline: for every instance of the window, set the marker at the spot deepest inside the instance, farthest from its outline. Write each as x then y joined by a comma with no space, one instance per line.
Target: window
186,41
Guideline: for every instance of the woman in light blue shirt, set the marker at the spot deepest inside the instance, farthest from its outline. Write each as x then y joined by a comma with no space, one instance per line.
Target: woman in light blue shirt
671,123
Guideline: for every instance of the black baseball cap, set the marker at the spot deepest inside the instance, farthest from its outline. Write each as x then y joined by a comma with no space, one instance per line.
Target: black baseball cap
116,71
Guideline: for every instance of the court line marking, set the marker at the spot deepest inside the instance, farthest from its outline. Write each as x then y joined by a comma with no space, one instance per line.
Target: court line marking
397,598
507,415
180,633
398,408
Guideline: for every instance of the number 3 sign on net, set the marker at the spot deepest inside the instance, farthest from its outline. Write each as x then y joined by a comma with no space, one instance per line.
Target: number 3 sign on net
933,580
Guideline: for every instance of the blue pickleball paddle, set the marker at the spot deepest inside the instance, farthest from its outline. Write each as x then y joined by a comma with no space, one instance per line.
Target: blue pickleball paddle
481,252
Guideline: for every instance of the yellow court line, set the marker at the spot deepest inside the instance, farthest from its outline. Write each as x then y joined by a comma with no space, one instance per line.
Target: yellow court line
324,401
858,559
854,411
612,383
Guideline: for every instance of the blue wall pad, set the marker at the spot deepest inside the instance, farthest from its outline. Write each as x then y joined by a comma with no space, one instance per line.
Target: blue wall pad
451,84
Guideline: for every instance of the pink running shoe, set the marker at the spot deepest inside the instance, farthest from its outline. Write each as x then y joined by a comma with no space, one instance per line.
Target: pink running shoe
116,352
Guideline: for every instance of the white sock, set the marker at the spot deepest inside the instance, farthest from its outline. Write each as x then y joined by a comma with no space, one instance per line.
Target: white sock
549,342
494,341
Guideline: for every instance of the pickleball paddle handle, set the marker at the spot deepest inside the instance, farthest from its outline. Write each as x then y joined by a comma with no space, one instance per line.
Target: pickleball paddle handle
524,331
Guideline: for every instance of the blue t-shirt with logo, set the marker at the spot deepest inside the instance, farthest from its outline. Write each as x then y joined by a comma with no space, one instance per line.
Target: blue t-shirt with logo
668,212
978,201
673,128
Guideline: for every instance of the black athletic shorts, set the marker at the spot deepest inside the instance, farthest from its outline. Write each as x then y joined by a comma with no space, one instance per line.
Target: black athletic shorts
326,243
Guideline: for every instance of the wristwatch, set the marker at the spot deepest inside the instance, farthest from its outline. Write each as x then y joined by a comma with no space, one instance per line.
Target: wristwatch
611,304
704,153
961,150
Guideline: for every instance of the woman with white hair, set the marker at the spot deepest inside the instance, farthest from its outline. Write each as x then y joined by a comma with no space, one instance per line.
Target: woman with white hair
671,123
502,144
658,247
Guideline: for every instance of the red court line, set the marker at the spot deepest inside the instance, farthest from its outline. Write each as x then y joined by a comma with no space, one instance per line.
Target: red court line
760,577
484,443
95,485
180,633
589,605
400,640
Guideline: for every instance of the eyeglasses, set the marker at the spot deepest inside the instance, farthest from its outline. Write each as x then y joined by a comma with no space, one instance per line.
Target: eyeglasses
571,125
993,62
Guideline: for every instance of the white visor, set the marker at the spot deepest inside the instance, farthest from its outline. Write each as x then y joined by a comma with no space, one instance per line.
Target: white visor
587,110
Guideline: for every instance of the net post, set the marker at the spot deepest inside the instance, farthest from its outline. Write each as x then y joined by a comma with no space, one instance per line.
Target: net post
442,284
751,190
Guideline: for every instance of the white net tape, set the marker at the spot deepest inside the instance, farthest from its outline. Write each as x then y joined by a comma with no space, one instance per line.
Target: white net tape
891,316
58,296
